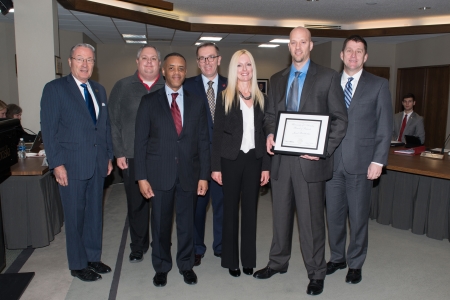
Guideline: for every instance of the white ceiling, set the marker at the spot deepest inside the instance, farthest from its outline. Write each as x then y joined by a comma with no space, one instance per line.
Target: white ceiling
346,13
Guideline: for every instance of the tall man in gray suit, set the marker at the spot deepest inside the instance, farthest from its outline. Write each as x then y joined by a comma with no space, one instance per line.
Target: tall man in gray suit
358,160
123,103
299,182
208,85
77,135
172,161
408,122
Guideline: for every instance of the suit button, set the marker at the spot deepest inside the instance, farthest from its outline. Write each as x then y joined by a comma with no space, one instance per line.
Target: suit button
95,145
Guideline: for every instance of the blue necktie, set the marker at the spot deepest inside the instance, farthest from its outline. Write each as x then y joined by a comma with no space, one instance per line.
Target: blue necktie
293,98
89,103
348,92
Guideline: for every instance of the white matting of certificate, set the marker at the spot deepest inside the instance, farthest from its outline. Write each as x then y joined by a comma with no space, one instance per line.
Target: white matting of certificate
298,134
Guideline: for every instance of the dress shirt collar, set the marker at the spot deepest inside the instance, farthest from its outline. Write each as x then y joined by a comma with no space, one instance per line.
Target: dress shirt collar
303,70
355,80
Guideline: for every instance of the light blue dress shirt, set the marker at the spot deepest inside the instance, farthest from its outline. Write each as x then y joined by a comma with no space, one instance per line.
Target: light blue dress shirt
301,80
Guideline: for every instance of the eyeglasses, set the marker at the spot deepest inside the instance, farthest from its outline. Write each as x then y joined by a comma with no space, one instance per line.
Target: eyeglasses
209,58
82,60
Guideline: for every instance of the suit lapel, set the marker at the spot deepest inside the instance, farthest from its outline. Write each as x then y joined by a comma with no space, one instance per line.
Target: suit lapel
79,98
308,85
282,89
359,91
187,109
97,97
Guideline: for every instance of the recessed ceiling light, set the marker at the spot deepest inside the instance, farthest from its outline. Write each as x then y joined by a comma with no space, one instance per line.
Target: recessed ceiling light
268,45
198,44
211,38
424,8
281,41
312,0
133,36
135,42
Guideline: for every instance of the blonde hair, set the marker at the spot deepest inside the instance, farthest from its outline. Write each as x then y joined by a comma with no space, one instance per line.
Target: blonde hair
230,94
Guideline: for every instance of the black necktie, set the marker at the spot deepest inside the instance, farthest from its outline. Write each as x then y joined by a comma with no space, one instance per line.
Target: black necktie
89,103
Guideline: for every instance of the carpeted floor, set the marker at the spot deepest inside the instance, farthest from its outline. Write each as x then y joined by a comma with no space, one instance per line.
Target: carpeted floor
400,265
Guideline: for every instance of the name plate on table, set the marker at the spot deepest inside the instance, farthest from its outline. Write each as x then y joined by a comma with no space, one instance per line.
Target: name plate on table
301,133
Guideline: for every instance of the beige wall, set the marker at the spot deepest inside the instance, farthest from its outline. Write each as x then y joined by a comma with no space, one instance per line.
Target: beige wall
8,79
117,61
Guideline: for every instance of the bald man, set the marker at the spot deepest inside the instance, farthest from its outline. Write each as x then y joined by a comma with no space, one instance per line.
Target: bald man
299,181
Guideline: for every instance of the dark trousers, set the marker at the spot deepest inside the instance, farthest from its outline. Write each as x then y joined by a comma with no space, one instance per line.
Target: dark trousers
138,210
82,204
215,193
163,205
291,193
241,182
348,194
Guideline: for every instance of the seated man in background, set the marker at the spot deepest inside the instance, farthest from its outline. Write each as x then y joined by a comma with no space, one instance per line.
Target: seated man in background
14,111
408,122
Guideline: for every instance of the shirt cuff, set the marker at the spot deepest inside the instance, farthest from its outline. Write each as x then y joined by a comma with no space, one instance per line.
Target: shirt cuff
377,163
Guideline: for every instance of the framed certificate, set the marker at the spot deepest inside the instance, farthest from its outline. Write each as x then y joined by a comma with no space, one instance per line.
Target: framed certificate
302,133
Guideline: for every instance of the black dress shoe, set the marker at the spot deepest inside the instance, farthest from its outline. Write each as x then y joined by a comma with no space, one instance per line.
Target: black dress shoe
315,287
234,273
266,273
217,254
136,256
99,267
247,271
198,259
353,276
333,267
160,279
86,274
189,276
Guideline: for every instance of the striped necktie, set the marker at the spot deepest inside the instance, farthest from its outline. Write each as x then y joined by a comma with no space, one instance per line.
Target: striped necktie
176,115
348,92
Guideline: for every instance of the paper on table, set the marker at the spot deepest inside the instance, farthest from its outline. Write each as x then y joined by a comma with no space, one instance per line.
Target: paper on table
406,151
439,149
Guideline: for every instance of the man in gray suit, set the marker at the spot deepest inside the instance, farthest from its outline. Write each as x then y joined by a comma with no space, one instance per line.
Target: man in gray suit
123,103
408,122
358,160
300,181
75,128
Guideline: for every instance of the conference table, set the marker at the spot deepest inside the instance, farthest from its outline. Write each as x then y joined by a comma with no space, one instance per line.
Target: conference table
413,193
31,206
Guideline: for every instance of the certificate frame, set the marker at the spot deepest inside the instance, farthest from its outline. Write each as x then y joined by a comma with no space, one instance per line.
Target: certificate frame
302,133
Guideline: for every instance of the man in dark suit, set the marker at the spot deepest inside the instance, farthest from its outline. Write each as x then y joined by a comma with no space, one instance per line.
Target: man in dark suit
409,121
77,134
208,85
358,160
300,181
123,103
172,160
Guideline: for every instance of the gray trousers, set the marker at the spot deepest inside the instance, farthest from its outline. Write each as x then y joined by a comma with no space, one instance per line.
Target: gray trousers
348,194
290,194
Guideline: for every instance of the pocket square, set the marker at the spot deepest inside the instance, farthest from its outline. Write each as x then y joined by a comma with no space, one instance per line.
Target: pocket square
103,104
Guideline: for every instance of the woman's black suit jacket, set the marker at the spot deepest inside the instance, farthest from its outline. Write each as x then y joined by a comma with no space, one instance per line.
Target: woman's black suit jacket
228,132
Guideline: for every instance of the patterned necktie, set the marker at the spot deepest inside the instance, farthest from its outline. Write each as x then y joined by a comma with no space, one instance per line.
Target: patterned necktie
348,92
293,98
211,99
402,128
176,115
89,103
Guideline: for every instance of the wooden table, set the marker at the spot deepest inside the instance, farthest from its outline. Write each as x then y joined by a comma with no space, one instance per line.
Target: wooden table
414,193
29,167
31,205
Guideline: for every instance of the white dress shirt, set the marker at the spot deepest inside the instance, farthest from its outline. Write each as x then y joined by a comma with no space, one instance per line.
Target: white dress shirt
248,136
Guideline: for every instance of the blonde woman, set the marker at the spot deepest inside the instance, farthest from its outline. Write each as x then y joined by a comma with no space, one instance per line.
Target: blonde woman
3,109
239,160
